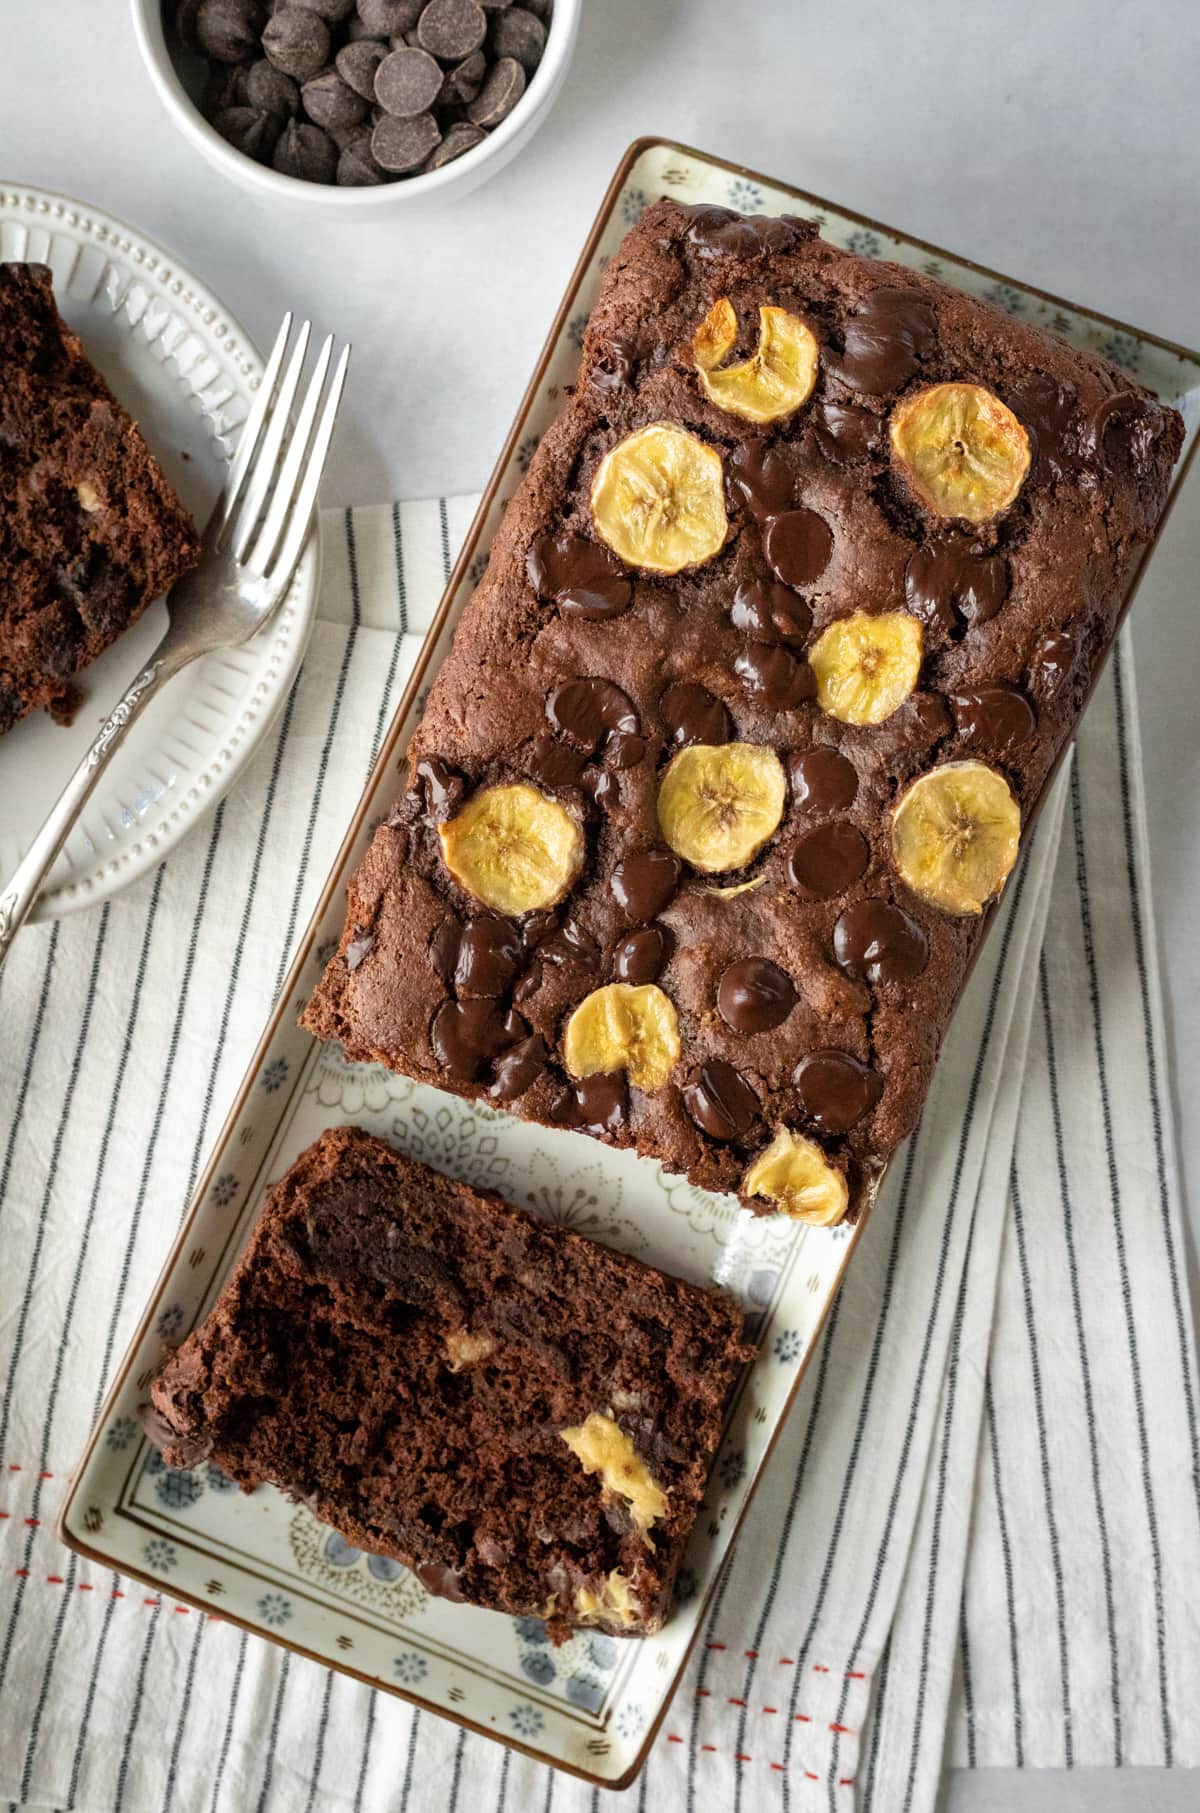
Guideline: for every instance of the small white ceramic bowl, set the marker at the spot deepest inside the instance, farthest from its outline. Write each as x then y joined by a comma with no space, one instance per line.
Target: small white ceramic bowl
168,67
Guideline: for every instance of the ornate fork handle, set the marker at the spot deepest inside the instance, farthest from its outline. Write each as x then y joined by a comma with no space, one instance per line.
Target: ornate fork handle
21,890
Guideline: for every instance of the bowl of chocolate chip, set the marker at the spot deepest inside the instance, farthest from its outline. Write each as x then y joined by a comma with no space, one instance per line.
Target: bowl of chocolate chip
358,106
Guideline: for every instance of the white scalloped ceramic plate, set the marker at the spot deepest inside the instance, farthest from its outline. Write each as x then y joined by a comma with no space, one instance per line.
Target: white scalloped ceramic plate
185,370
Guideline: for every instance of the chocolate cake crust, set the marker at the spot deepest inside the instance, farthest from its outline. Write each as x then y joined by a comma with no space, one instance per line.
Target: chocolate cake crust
91,531
524,1417
812,987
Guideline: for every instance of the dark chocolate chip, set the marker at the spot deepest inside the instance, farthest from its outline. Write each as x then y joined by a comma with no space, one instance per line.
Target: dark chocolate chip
692,715
615,365
993,717
268,89
489,955
554,763
643,883
761,478
1049,409
640,956
401,145
845,432
878,942
443,787
835,1089
601,785
949,578
451,29
1123,430
332,103
570,943
442,1582
754,995
624,750
188,1448
407,83
443,948
589,711
358,949
829,859
518,1068
355,163
462,83
357,63
893,330
720,233
797,545
389,18
227,30
779,678
248,130
583,578
822,780
459,138
769,613
332,10
516,33
1053,663
503,87
720,1101
465,1034
297,41
597,1104
305,152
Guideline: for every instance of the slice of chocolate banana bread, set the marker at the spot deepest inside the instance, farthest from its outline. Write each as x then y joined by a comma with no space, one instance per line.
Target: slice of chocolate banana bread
525,1418
90,530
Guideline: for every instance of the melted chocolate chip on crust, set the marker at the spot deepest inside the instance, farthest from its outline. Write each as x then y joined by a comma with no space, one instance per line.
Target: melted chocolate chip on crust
643,883
797,545
845,432
893,330
640,956
948,578
1048,408
582,578
754,995
761,479
720,1101
442,787
880,943
835,1089
769,613
518,1068
691,714
1053,663
488,957
829,860
720,233
776,676
465,1034
822,780
588,711
993,717
596,1104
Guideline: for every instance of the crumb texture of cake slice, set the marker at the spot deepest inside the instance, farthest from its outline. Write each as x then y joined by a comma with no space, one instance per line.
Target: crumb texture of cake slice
91,531
524,1417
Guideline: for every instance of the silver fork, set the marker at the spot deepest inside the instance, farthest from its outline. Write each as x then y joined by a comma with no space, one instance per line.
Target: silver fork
252,544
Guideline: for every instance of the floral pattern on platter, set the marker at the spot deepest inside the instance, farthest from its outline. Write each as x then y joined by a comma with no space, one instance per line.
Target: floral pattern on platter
745,197
372,1580
453,1137
355,1088
585,1200
579,1669
410,1667
275,1609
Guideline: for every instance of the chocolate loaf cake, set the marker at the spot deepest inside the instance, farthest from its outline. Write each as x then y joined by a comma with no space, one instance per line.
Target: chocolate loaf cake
90,530
523,1417
778,642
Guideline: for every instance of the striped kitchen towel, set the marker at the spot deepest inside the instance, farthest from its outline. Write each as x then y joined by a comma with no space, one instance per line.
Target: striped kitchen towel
980,1532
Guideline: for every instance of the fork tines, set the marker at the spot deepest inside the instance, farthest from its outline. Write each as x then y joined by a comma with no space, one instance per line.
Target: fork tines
270,493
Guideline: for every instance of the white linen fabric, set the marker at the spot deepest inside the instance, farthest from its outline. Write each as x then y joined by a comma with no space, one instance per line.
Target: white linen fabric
979,1534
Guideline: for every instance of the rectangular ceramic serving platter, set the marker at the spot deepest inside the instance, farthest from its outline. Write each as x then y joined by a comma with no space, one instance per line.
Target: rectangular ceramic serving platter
594,1705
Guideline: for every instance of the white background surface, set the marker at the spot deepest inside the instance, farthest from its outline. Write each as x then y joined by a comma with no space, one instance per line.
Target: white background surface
1052,139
